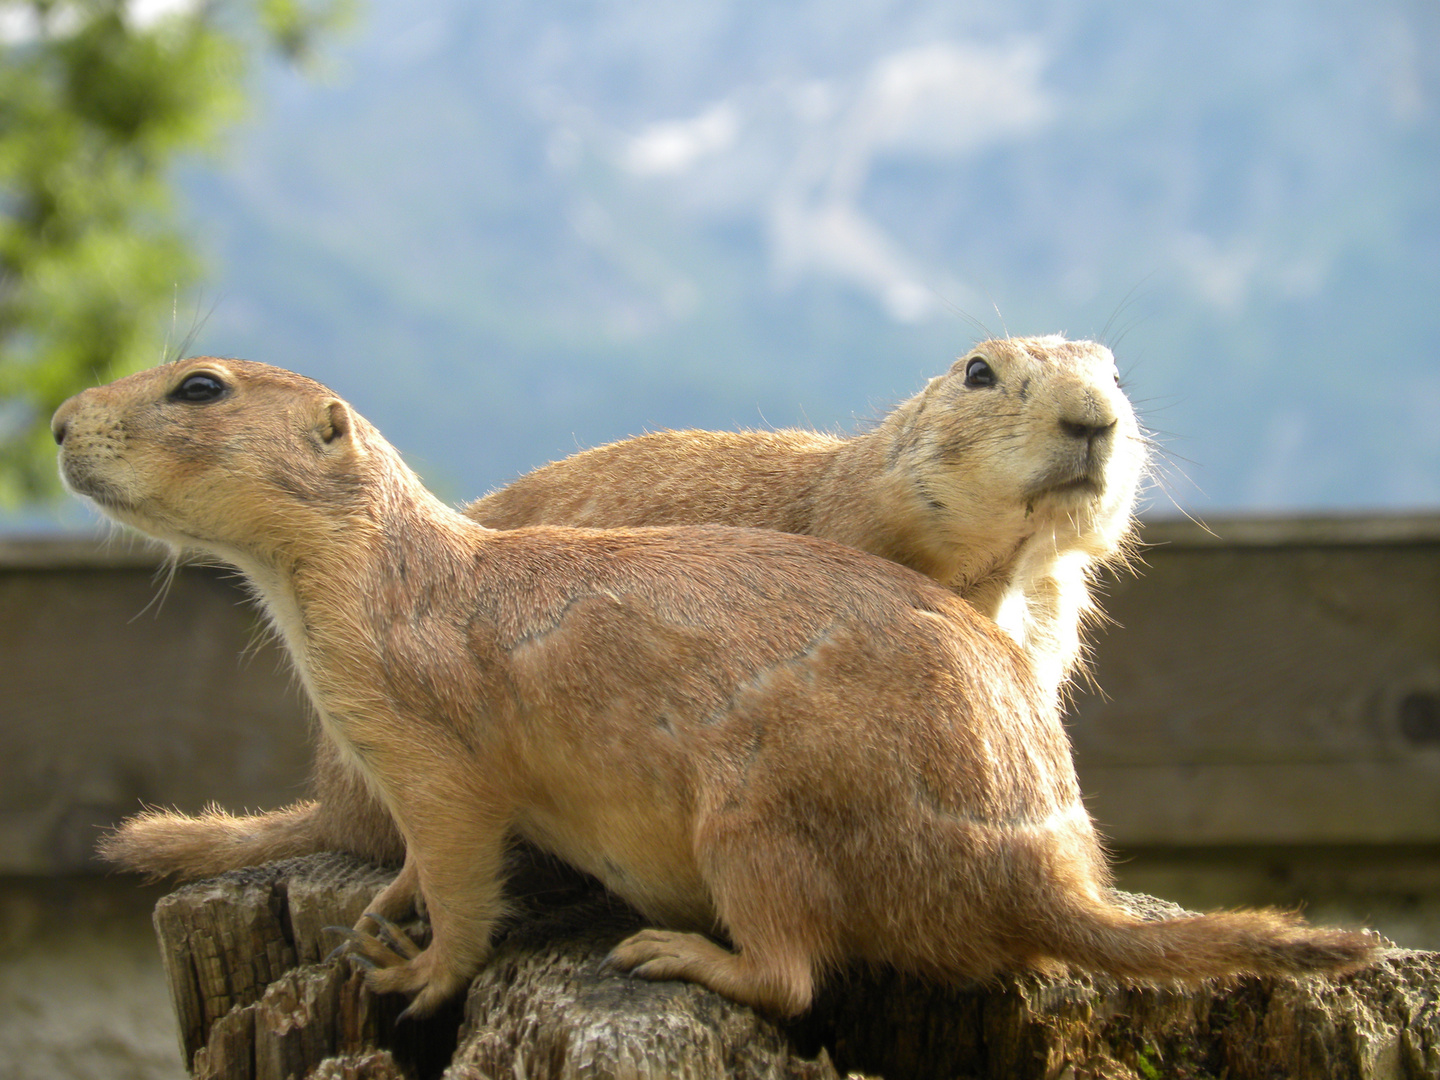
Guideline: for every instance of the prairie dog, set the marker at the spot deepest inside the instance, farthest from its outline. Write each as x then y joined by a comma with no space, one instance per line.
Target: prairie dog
1011,478
814,751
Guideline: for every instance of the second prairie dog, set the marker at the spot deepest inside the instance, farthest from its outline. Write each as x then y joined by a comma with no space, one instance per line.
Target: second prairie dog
815,752
1011,479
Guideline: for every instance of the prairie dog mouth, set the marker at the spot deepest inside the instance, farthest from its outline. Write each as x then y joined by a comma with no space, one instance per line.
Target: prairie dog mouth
81,479
1082,483
1076,475
1084,486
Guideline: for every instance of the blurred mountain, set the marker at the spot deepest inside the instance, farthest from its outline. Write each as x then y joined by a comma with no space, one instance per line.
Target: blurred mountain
508,231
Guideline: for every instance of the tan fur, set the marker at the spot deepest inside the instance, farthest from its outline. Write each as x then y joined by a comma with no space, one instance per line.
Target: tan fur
1012,494
814,751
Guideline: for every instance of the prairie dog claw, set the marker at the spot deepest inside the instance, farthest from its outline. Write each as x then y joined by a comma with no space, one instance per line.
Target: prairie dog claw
388,947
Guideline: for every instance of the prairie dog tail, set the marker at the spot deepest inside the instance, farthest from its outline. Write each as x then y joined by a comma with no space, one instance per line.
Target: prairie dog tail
161,843
1100,937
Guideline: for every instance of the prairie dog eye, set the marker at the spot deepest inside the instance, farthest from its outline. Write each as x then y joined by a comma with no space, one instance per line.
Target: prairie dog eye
199,388
979,373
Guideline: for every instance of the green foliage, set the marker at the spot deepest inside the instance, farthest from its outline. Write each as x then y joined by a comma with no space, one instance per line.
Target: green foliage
94,109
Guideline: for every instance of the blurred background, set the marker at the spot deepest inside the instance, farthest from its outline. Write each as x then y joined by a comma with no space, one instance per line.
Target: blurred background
509,231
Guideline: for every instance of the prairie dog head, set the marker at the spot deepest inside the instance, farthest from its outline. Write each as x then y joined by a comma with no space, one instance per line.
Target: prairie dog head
1025,437
222,455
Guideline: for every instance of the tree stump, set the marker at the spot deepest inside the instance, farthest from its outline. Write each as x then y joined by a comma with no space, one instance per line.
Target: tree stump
257,998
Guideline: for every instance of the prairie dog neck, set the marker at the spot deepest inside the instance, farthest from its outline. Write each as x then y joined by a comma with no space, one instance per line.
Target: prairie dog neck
297,581
972,557
271,473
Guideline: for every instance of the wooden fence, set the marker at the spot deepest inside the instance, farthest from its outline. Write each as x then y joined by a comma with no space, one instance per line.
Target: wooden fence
1264,683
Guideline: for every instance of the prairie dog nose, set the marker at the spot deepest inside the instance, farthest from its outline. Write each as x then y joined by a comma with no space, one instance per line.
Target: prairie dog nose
60,422
1085,429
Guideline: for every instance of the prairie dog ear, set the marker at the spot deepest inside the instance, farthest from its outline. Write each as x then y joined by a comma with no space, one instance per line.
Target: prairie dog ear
335,425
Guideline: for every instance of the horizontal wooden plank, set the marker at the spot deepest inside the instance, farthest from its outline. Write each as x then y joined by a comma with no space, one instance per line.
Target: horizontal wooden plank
1282,687
120,691
1334,803
1258,693
121,549
1294,531
1251,655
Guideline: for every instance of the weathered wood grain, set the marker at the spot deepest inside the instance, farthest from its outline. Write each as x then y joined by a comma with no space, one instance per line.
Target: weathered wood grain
256,1000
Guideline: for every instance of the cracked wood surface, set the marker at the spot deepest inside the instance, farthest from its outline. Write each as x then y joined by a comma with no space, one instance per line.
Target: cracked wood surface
257,998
